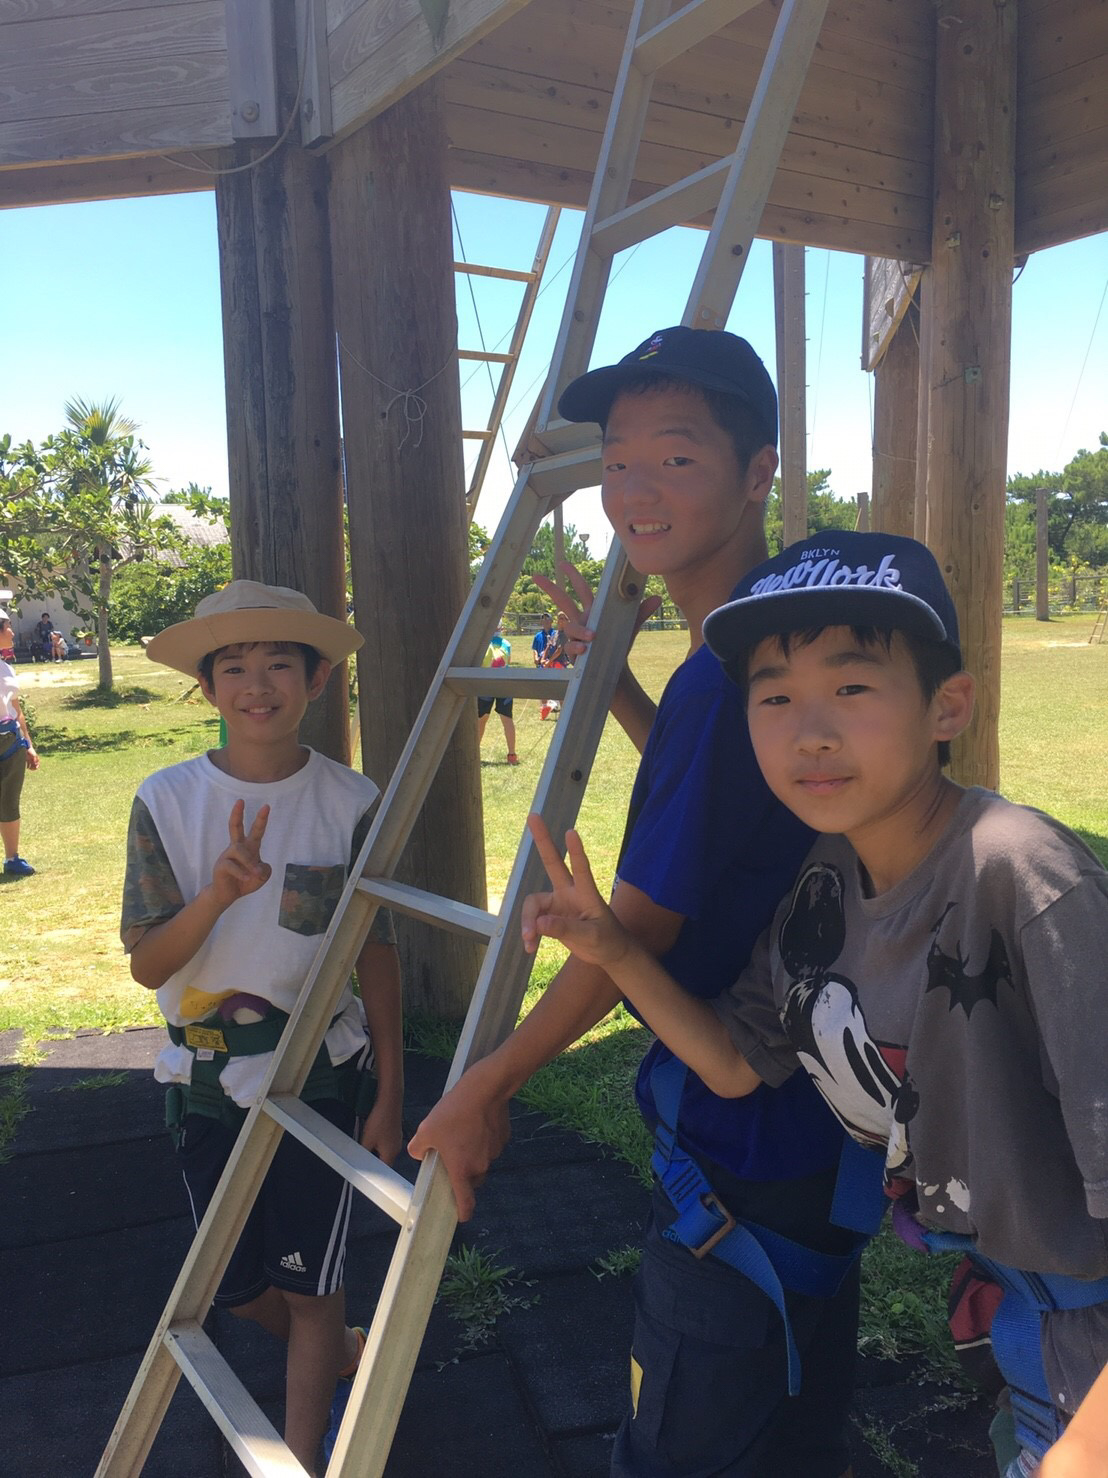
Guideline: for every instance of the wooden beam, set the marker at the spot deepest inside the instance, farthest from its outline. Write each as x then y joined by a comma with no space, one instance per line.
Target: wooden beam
282,391
379,52
107,179
394,294
970,305
895,417
788,298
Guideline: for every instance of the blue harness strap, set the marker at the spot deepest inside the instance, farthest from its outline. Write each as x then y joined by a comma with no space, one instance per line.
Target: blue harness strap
11,726
773,1263
1017,1332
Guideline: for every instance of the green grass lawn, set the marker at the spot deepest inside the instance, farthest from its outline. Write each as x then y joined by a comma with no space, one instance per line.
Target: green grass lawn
61,966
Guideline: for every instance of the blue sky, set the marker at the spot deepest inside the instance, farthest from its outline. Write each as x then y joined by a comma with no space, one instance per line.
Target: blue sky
121,298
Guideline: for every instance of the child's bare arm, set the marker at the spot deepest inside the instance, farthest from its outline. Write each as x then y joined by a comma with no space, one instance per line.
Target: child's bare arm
378,970
574,912
163,949
1082,1449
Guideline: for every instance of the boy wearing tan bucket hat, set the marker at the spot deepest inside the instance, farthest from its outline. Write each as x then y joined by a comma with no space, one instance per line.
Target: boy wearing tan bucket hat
235,862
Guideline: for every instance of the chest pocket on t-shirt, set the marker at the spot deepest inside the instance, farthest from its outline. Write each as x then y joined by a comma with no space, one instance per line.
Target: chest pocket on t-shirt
309,896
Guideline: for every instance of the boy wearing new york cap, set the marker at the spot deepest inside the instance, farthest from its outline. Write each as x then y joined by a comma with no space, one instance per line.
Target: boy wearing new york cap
937,969
235,862
690,428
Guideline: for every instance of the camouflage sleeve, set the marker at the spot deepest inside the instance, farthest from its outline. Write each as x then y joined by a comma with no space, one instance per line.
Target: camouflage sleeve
150,890
381,929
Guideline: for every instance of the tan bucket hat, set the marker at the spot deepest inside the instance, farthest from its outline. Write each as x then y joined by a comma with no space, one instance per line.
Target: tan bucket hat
248,611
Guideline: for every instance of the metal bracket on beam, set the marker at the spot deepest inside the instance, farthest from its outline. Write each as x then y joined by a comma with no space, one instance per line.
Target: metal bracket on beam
252,69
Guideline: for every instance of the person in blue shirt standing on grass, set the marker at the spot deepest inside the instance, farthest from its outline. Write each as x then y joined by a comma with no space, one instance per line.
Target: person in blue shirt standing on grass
722,1328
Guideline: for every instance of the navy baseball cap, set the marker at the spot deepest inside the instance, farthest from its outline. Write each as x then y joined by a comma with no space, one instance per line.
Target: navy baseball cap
709,357
836,578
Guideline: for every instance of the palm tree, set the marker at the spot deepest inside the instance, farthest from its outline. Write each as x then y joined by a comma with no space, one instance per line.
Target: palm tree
105,471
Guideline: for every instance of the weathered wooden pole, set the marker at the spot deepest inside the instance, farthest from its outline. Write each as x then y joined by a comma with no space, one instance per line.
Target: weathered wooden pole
895,421
402,437
282,387
970,302
788,297
1042,556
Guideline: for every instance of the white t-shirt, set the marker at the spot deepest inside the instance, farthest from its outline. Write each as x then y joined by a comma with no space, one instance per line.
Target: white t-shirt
264,944
9,691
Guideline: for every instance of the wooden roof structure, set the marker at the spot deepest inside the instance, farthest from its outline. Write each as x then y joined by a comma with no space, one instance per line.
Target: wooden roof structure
104,98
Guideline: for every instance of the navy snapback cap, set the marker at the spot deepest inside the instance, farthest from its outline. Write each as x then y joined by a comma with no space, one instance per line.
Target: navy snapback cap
712,358
836,578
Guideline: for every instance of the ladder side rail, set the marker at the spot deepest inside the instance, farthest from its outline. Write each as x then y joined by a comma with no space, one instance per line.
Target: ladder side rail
156,1378
409,1290
558,795
515,348
754,163
615,170
426,745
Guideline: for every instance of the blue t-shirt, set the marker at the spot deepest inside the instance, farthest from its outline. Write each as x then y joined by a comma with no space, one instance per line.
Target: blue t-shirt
539,645
707,839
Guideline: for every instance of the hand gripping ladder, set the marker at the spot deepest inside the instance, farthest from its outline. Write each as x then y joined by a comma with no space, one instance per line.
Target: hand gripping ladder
567,457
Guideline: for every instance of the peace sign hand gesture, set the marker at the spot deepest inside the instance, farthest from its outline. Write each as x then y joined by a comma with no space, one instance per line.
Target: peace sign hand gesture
574,602
573,911
239,870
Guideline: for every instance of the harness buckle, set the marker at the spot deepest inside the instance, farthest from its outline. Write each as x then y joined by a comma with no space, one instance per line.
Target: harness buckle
711,1202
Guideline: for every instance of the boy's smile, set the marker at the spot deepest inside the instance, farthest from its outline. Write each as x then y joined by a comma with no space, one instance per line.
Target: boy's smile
675,492
262,694
846,740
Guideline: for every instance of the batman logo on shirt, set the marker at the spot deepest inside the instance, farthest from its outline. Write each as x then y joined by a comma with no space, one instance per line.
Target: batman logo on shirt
967,987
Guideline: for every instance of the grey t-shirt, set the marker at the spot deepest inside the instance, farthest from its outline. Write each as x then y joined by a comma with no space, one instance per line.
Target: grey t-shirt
959,1023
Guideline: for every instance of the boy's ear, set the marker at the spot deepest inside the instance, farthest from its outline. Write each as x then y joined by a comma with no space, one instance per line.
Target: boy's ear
205,688
954,706
319,679
759,474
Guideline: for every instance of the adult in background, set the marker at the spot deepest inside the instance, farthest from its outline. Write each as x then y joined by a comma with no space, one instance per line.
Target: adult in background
42,644
17,756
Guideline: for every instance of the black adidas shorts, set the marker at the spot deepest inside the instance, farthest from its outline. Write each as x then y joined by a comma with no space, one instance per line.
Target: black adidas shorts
295,1236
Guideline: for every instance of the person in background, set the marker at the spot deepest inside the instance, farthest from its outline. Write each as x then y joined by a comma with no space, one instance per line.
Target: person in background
17,756
499,654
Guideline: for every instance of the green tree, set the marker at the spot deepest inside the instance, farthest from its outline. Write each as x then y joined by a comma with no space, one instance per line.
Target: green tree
1077,506
77,509
825,510
149,596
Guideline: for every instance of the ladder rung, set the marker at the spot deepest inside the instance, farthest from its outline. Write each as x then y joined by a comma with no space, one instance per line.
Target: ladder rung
431,908
567,436
691,24
478,435
509,682
365,1172
508,274
677,204
251,1435
485,356
566,472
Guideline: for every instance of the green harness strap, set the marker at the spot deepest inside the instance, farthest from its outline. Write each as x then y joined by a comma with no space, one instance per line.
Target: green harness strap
204,1093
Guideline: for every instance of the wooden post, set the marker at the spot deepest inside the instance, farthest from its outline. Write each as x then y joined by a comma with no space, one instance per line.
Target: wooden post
394,300
970,303
895,424
788,297
282,388
862,521
1042,557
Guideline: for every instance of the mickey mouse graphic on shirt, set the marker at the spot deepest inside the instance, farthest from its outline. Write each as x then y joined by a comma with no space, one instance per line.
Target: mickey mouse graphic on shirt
865,1082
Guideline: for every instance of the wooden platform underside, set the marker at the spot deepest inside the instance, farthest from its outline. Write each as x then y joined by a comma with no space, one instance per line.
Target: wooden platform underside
102,98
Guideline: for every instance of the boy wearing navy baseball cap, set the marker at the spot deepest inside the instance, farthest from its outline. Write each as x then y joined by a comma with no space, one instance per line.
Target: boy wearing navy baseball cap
689,423
937,969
